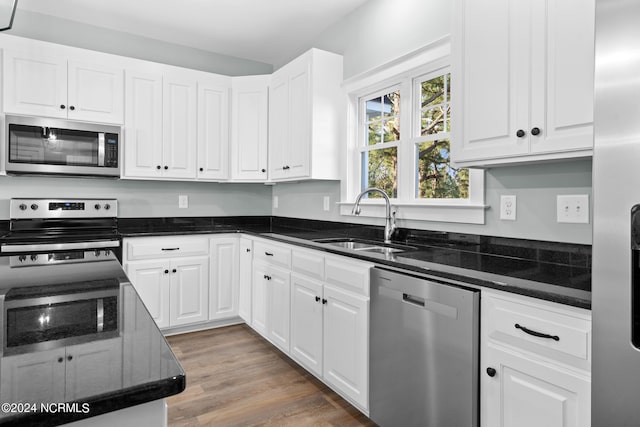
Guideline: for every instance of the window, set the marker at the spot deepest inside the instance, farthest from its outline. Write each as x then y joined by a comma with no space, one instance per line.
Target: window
400,143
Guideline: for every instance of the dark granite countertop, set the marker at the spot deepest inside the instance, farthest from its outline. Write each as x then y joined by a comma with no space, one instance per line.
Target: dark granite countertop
102,364
558,272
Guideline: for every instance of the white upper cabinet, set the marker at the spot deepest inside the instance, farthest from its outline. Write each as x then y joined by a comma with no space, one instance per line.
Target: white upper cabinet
143,125
522,81
213,130
39,84
306,110
160,126
179,126
249,124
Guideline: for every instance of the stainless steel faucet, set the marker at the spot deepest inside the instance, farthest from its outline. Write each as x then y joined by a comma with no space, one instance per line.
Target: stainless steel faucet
389,225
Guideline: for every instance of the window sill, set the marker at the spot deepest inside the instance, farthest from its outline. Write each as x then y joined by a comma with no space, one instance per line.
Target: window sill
441,211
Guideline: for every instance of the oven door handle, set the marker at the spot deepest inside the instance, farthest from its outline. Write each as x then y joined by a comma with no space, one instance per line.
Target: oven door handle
11,248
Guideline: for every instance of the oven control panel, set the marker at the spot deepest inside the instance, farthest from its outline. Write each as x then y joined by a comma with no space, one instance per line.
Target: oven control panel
28,260
63,208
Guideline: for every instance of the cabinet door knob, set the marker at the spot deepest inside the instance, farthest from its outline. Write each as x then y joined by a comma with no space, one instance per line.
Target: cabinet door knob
535,131
324,301
264,170
166,272
166,167
201,169
72,108
60,359
62,106
174,270
318,299
158,167
69,358
520,133
491,372
248,250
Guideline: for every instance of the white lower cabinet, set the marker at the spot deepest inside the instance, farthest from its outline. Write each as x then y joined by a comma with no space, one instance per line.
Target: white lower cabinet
346,344
223,285
271,294
306,322
528,380
189,289
245,276
315,307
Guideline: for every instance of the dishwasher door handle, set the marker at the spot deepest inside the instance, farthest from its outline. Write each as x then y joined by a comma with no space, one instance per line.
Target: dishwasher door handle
413,299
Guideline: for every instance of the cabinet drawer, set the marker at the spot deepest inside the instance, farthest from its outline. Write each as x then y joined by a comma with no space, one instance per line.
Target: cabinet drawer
347,274
308,263
566,334
165,247
272,253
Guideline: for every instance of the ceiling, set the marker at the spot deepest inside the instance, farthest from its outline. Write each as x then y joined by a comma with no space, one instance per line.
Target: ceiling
270,31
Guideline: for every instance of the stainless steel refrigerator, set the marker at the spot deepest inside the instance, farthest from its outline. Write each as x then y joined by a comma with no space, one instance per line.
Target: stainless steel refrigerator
616,190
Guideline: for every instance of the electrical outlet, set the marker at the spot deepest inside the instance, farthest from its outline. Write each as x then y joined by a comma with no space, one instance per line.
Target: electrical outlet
508,208
325,203
573,208
275,202
183,201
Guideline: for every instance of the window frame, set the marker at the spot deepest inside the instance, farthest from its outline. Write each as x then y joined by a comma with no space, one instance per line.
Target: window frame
405,73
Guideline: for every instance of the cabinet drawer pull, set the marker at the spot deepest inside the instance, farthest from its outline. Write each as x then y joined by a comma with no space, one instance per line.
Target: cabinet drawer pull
170,249
537,334
268,254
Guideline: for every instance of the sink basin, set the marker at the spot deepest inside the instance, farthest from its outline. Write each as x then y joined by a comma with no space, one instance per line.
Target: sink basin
365,245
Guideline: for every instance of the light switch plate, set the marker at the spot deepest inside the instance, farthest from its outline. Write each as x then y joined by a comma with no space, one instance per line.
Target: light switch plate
573,208
275,202
183,201
325,203
508,208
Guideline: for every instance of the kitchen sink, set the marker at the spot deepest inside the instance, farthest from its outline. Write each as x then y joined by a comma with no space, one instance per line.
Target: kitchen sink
365,245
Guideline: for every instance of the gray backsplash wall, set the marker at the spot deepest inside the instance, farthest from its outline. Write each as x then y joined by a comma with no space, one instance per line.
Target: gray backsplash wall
144,198
535,186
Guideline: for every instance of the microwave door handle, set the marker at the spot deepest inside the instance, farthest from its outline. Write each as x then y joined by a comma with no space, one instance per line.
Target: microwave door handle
100,148
100,315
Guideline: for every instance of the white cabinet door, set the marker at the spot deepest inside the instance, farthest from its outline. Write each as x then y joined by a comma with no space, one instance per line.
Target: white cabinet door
523,90
95,93
33,377
143,125
213,131
297,149
346,332
245,276
259,295
151,280
189,290
525,393
306,322
223,284
290,136
179,127
562,88
35,84
278,124
249,128
82,377
279,308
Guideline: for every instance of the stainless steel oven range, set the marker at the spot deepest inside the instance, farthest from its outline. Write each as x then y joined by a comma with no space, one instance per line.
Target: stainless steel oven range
61,279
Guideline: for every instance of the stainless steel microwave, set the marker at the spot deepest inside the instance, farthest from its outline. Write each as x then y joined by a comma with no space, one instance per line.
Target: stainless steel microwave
50,146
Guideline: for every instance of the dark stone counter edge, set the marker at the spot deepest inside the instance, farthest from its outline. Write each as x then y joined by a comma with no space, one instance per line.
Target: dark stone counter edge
469,276
105,403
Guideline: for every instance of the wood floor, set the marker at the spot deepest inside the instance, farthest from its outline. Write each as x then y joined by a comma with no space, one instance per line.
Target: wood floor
236,378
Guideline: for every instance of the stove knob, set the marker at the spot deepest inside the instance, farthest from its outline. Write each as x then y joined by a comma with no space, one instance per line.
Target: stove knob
107,206
22,258
97,206
34,207
97,253
23,207
34,257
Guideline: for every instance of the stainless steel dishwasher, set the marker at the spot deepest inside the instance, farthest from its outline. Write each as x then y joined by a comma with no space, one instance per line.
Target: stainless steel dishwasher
424,352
